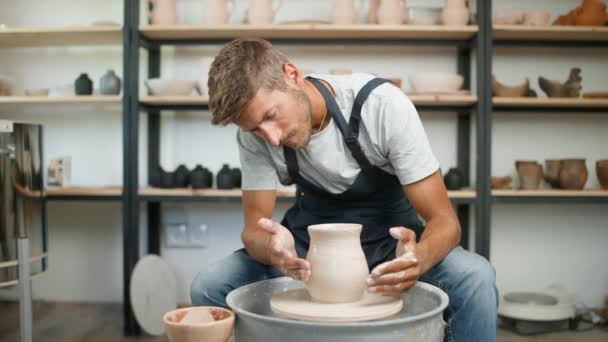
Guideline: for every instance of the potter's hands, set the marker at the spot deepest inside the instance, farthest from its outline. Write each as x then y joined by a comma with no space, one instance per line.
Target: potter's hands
394,277
283,251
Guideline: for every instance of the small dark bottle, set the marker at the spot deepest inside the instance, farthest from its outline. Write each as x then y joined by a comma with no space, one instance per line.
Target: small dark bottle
83,85
236,174
454,179
182,176
225,178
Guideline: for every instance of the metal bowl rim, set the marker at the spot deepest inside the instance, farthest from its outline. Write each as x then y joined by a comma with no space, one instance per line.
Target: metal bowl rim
443,297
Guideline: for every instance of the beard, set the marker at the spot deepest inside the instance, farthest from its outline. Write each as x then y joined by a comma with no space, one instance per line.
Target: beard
304,118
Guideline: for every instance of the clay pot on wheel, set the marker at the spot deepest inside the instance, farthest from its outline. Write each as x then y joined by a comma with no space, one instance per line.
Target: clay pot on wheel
601,169
338,266
530,174
573,174
551,176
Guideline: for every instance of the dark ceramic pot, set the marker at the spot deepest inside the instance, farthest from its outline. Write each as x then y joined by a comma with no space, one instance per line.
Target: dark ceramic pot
182,176
201,178
236,174
573,174
109,84
530,174
83,85
601,169
154,177
551,176
454,179
225,178
167,179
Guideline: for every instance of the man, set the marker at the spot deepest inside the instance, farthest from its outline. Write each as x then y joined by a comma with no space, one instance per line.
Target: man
356,149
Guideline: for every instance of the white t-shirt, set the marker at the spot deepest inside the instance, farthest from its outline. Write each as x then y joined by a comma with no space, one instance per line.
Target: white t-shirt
390,134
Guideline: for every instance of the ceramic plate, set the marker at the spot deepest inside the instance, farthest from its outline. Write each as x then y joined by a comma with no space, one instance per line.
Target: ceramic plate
153,293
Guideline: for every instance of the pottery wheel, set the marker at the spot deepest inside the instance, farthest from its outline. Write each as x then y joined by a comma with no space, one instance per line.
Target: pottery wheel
298,304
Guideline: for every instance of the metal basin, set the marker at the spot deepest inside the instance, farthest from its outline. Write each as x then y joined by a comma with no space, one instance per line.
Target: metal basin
420,320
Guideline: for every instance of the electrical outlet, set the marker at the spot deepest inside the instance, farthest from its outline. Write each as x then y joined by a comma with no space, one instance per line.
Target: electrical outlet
176,235
198,235
6,126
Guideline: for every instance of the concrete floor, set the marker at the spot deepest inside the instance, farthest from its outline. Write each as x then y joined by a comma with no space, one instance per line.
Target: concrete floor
60,322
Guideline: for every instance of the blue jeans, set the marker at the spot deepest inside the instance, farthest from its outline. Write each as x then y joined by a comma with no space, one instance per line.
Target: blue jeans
467,278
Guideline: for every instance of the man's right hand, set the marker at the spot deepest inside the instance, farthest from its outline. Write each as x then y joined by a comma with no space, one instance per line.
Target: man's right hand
283,252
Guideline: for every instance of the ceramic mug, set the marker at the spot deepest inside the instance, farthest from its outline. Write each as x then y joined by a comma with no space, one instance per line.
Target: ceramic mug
344,12
262,12
218,12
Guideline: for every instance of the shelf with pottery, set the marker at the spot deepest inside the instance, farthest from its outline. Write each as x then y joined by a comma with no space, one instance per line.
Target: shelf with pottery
176,33
550,33
84,193
20,37
201,102
234,195
579,103
551,196
81,99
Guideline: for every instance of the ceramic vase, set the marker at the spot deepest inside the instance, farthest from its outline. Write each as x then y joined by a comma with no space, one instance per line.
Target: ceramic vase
601,169
338,266
455,12
502,90
109,83
162,12
83,85
454,179
372,12
592,13
573,174
201,178
530,174
182,175
237,177
7,86
344,12
262,12
551,174
391,12
218,12
225,179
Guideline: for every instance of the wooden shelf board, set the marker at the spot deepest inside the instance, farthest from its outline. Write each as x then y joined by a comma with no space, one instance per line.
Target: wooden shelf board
188,192
59,99
549,102
429,100
60,36
551,193
79,191
560,33
462,194
309,31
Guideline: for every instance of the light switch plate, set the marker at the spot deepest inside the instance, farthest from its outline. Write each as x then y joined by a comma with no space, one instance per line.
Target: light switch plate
176,235
199,235
6,126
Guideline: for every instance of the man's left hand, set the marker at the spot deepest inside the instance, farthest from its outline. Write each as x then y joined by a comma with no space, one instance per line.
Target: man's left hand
395,277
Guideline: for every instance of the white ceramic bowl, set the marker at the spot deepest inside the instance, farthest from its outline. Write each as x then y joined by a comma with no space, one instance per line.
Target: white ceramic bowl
161,87
435,82
424,15
199,323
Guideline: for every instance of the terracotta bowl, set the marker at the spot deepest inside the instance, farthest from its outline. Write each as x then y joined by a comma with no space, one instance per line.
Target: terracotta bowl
435,82
199,323
161,87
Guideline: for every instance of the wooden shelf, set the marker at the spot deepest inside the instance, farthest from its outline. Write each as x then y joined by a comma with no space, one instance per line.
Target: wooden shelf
84,193
309,31
419,100
557,103
60,36
591,196
85,99
550,33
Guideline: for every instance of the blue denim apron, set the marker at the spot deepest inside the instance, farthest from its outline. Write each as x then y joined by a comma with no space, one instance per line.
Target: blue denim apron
375,200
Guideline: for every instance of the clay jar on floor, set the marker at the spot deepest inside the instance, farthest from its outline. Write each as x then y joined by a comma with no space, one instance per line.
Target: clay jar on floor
601,169
338,267
573,174
530,174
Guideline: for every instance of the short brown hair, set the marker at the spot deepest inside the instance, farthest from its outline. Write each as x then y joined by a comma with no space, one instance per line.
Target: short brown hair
241,68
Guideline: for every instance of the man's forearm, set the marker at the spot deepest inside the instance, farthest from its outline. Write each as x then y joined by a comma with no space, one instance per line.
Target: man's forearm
256,243
440,236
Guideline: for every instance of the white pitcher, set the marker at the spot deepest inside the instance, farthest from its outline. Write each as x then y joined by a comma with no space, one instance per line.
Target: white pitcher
391,12
163,12
344,12
262,12
218,12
